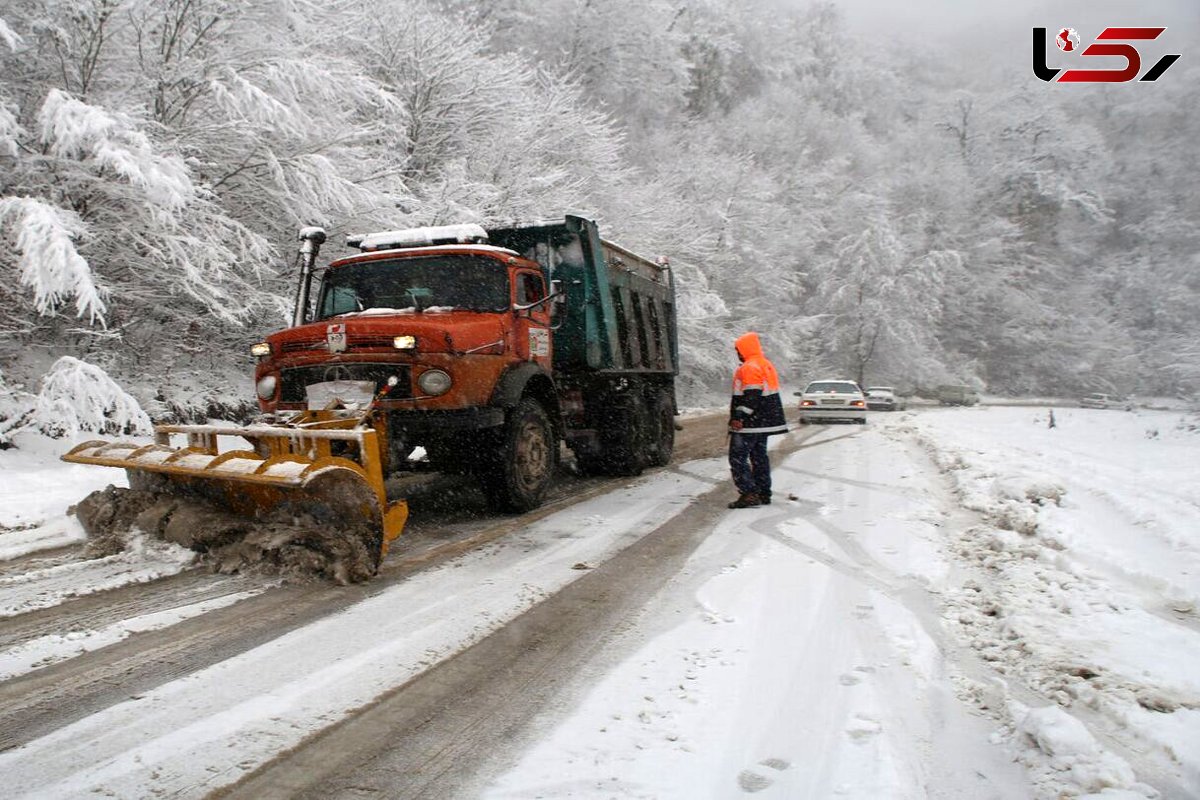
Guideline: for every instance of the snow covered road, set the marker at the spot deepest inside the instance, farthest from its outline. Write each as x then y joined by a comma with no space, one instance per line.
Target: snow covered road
953,603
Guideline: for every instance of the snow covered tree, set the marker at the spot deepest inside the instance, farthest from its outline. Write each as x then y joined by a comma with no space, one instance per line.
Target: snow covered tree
16,411
158,154
77,396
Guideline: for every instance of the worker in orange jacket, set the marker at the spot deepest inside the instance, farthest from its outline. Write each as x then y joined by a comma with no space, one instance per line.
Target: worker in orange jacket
755,412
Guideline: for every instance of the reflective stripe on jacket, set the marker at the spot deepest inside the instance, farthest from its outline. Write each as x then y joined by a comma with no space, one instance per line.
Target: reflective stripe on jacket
756,402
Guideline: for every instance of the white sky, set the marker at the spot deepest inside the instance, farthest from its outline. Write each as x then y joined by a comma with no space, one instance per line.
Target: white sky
945,17
997,35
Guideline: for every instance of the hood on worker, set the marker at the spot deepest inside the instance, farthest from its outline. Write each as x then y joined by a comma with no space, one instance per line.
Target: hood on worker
748,345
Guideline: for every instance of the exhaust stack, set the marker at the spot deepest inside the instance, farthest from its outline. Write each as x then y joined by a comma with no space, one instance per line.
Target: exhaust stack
311,239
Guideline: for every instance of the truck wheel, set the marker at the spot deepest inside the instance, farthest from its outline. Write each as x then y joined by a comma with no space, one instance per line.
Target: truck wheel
523,463
664,430
624,437
589,464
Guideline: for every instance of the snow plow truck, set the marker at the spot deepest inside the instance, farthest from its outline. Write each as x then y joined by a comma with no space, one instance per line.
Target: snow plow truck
485,347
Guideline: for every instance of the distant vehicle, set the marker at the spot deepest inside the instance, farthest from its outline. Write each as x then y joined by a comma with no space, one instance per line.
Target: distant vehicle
1100,400
883,398
957,396
833,401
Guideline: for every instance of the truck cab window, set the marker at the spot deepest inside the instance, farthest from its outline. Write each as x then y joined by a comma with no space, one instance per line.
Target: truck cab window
529,288
340,300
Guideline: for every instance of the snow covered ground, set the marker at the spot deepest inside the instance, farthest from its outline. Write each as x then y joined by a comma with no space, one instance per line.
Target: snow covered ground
881,637
954,603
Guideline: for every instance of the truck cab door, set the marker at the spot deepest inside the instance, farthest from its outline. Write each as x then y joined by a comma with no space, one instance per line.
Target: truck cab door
532,324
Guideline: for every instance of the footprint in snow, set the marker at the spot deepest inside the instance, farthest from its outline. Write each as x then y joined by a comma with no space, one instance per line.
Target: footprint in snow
862,728
855,675
753,781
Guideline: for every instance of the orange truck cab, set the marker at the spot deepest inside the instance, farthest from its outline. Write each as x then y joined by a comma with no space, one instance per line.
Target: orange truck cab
487,348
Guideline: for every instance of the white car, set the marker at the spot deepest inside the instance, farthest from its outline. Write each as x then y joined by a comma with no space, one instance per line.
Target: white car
1100,400
833,401
883,398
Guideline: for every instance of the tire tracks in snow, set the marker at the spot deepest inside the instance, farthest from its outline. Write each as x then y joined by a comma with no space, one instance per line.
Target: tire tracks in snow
47,698
90,612
928,607
443,732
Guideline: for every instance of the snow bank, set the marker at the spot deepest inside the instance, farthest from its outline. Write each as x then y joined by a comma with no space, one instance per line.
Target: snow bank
1070,750
36,491
1082,582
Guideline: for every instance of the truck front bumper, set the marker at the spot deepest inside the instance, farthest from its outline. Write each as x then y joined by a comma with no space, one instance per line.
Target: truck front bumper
416,423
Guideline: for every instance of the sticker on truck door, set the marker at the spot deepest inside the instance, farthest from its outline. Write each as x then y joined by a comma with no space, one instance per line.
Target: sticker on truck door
539,342
335,338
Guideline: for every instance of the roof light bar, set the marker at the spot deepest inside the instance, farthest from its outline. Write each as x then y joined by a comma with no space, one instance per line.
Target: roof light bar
466,233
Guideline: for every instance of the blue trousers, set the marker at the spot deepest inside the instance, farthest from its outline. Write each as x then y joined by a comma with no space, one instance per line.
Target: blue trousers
749,463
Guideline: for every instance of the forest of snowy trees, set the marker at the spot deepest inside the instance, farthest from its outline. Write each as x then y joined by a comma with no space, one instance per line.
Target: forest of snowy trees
900,216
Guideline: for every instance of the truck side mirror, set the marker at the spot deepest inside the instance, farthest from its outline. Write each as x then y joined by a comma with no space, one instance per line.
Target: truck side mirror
554,297
557,293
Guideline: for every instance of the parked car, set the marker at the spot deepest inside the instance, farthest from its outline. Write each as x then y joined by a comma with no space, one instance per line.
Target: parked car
833,401
957,396
883,398
1101,400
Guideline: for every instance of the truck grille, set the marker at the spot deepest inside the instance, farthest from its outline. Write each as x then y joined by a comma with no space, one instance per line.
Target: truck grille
308,344
293,380
356,340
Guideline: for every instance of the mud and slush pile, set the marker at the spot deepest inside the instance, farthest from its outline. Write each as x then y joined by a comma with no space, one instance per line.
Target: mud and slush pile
277,543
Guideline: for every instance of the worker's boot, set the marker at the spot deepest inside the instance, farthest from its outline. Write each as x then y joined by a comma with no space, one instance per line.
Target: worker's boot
764,498
746,501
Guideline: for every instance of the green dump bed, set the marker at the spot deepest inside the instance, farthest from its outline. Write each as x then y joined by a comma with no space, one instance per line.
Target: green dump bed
619,315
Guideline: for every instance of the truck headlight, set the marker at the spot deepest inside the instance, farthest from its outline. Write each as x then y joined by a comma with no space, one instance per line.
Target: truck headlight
404,342
261,349
434,382
266,387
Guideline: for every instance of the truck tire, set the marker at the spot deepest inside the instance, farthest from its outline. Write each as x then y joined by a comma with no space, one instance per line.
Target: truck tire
663,428
624,437
517,473
589,464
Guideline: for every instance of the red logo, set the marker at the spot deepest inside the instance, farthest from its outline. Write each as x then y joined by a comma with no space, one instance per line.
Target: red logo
1110,42
1067,40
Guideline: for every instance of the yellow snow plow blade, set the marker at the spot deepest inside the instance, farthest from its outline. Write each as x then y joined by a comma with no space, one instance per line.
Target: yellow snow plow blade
325,467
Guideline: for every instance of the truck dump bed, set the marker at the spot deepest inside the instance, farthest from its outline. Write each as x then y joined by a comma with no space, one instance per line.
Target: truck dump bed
619,314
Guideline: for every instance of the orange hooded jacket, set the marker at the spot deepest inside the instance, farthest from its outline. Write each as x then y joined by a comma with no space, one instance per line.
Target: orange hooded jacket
756,402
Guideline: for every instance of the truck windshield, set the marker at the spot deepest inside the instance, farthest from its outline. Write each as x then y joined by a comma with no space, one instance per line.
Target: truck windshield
475,283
